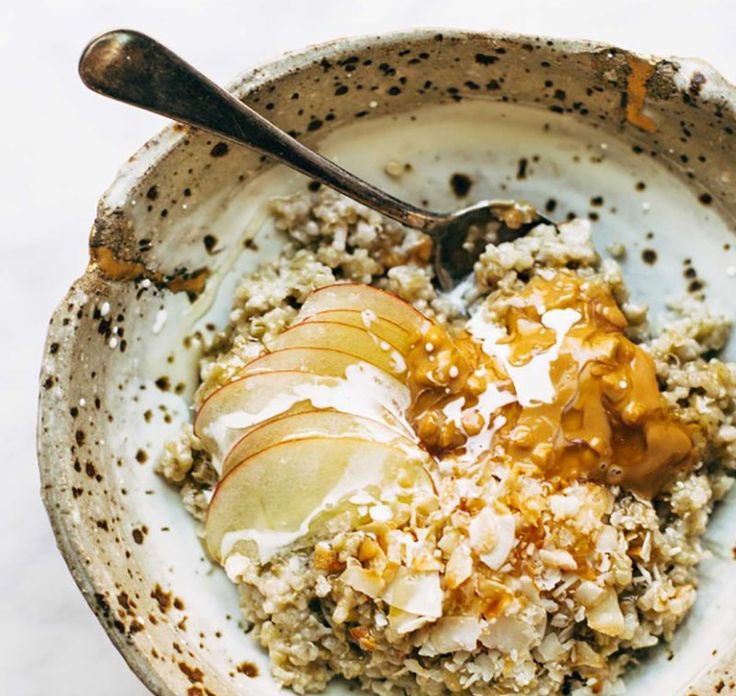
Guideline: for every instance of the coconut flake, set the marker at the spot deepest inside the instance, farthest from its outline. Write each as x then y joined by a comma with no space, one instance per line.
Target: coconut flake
507,634
452,633
605,616
583,655
492,536
564,506
588,593
402,622
369,582
415,592
459,566
551,649
558,558
607,540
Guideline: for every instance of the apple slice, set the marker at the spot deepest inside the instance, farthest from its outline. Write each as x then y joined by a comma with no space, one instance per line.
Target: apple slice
311,423
317,361
273,496
358,296
233,408
335,336
383,329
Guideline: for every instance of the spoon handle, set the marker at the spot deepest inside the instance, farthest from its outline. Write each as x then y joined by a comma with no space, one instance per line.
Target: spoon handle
133,68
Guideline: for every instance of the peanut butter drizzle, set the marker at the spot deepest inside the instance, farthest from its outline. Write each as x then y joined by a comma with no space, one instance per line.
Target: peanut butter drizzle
434,383
636,90
607,421
121,269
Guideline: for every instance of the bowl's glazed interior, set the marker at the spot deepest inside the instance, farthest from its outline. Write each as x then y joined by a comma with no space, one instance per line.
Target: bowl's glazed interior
644,146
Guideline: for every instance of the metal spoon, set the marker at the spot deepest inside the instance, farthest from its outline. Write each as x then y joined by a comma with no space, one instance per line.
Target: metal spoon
133,68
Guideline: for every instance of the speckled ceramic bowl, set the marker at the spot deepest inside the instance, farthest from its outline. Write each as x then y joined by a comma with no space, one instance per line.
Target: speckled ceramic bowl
644,146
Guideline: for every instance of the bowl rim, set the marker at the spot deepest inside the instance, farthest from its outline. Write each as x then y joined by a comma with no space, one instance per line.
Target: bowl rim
89,578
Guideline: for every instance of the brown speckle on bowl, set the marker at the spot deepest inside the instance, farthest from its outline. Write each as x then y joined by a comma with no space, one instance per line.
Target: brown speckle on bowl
220,150
649,256
461,184
248,669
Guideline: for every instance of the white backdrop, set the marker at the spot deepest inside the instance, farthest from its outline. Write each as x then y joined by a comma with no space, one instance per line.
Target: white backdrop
59,148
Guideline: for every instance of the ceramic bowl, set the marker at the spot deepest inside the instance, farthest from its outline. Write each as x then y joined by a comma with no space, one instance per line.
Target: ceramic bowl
644,146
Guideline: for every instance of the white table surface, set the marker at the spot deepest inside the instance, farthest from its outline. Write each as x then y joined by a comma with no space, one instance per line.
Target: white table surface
59,148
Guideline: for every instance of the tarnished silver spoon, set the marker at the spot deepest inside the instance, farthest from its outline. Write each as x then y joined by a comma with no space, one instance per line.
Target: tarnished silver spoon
133,68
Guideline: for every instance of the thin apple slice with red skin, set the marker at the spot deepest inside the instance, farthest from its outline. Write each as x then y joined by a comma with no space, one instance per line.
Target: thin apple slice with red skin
238,405
358,296
335,336
283,488
316,361
311,423
383,329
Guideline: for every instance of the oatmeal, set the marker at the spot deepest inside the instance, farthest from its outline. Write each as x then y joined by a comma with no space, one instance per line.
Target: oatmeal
497,490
